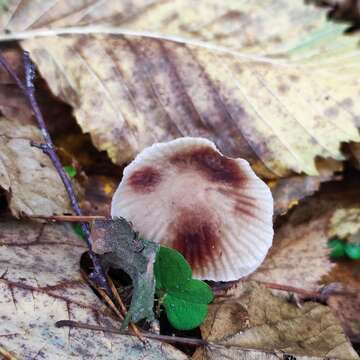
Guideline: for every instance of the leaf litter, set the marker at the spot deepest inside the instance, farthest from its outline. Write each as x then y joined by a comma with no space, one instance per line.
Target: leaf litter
142,105
41,284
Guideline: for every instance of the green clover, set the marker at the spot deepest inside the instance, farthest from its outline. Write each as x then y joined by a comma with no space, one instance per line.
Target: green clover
352,251
337,248
185,299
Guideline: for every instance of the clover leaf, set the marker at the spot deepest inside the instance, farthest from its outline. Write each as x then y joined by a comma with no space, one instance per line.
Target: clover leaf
185,299
340,248
337,248
352,251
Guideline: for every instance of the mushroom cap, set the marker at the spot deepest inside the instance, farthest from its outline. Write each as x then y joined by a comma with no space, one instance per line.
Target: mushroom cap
213,209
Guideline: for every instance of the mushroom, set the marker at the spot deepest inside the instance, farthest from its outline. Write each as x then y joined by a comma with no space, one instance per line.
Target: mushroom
213,209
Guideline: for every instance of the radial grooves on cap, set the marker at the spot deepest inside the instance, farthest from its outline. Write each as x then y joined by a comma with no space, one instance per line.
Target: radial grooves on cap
210,164
195,236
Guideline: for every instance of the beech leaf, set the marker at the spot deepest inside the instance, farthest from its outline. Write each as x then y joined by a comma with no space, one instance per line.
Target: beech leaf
144,80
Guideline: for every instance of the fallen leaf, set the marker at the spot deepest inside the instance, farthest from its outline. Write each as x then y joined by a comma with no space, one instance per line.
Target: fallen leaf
258,320
346,306
131,88
288,192
121,248
40,284
270,26
299,256
345,222
13,104
27,175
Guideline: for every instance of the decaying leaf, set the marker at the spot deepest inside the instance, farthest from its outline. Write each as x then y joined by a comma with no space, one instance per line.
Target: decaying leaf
40,284
299,256
130,88
259,320
346,305
345,222
13,104
288,192
121,248
27,175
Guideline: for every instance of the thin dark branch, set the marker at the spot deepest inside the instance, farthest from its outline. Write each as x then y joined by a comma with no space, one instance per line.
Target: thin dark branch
170,339
70,218
48,148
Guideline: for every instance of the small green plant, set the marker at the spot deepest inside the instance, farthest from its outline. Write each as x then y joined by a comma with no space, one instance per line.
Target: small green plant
340,248
70,170
336,247
352,251
79,231
185,299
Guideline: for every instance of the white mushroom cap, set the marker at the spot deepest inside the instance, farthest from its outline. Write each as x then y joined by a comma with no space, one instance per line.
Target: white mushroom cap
186,195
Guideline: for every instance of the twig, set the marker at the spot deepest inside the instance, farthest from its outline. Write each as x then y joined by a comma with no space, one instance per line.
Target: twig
292,289
48,148
7,355
69,218
122,306
120,314
170,339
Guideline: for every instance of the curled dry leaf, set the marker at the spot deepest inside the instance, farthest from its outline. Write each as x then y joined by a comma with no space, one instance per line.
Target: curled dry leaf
40,284
27,174
288,192
121,248
258,320
130,90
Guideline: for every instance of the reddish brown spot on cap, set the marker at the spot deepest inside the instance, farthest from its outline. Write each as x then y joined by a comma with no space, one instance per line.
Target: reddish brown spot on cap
145,180
210,164
196,235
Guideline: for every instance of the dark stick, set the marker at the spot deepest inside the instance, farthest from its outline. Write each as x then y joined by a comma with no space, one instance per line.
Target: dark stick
48,148
171,339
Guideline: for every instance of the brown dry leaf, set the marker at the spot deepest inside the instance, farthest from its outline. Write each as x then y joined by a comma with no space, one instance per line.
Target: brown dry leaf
27,174
259,320
347,306
345,222
299,256
288,192
131,88
40,284
13,104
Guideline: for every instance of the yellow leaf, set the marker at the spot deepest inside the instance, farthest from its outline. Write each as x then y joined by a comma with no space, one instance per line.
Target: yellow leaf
152,72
